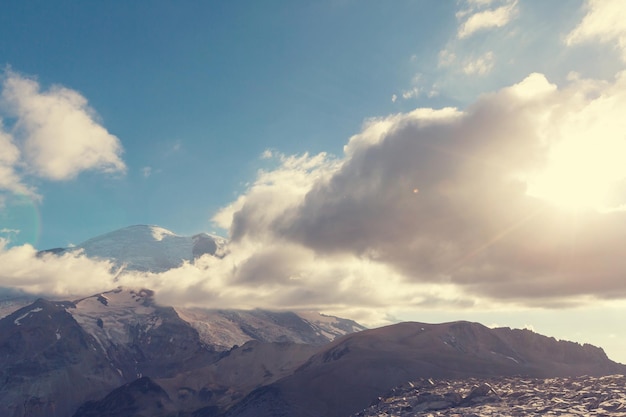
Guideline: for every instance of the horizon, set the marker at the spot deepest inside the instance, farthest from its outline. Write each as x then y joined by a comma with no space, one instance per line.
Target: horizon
380,162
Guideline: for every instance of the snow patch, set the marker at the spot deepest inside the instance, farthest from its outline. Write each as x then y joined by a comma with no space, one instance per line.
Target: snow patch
23,316
158,233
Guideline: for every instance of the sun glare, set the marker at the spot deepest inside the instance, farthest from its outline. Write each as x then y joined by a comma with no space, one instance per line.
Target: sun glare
581,175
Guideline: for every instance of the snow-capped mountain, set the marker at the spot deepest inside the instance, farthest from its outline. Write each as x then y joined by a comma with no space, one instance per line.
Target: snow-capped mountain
111,338
149,248
118,351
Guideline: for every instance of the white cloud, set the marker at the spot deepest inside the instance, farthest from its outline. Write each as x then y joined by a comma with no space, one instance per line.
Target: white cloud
472,230
412,93
480,66
394,98
486,19
61,276
10,179
57,132
146,172
605,21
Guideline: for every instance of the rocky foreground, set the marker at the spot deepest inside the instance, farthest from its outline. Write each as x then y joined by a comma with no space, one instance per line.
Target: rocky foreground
505,396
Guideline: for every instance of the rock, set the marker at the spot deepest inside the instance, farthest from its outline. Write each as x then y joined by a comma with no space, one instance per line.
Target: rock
512,396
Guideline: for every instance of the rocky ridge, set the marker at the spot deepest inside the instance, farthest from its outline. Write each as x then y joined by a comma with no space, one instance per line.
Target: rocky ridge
346,375
504,396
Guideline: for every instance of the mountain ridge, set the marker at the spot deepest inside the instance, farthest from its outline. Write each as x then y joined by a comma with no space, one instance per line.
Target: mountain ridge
347,374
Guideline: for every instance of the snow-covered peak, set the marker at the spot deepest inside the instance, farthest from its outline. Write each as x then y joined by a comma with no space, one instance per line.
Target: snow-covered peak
150,248
158,233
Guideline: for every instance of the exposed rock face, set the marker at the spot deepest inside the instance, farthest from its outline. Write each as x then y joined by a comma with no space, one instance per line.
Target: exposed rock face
49,364
510,396
347,374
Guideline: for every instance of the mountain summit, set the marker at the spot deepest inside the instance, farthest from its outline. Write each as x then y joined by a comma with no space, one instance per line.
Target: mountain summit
149,248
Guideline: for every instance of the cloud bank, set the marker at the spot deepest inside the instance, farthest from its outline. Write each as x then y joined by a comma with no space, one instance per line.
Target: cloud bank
53,135
430,208
442,197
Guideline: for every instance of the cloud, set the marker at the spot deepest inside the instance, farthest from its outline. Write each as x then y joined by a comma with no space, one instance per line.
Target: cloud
412,93
473,227
146,172
480,66
485,19
55,134
10,179
428,209
605,21
61,276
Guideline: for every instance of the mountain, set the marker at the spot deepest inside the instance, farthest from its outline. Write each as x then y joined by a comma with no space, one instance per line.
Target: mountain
346,375
103,341
120,353
148,248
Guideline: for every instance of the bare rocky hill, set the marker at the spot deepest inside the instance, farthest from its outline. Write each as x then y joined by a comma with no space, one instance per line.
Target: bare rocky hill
349,373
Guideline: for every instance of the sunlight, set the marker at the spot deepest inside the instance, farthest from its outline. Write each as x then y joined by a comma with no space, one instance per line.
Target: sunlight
582,174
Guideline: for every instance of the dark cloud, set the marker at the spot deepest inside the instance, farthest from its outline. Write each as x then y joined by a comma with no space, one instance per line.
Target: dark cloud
442,197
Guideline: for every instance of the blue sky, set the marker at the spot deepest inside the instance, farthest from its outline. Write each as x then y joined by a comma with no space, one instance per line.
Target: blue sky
467,151
197,91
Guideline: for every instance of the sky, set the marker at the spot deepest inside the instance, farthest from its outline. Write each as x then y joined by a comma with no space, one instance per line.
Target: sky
384,161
